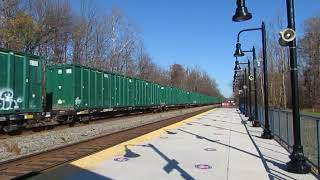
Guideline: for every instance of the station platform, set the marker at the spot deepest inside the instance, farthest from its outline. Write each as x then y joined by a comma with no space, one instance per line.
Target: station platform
216,144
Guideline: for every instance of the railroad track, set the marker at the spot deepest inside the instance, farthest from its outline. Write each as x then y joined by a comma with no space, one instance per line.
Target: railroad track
34,164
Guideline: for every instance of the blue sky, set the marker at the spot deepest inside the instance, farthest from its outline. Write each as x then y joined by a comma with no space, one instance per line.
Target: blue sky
201,32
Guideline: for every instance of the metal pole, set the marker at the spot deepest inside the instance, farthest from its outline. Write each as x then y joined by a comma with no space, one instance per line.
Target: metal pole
297,163
255,120
244,95
246,90
266,131
249,89
239,96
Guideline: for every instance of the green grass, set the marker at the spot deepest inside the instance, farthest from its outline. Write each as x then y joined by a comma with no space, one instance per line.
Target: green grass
312,113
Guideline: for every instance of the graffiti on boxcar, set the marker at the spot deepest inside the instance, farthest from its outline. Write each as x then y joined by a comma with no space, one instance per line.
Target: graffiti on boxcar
77,101
7,100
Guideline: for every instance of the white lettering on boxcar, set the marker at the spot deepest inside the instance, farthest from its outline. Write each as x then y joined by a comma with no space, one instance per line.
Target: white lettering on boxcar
59,101
7,100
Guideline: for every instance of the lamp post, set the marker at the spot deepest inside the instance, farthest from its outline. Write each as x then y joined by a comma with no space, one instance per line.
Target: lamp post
243,94
254,116
238,53
242,89
246,86
255,120
237,69
297,163
247,89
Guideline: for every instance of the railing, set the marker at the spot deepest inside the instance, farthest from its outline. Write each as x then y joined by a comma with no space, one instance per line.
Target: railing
282,129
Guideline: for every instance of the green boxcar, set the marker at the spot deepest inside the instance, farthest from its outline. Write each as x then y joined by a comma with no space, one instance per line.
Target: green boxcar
75,87
78,88
20,83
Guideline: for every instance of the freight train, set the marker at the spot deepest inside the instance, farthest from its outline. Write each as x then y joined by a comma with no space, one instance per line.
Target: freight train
32,93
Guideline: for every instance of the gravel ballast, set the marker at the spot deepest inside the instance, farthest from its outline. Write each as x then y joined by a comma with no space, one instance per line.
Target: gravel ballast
17,147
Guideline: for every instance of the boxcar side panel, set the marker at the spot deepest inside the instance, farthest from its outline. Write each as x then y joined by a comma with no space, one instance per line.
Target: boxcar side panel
113,91
106,90
130,92
85,88
78,90
20,83
99,86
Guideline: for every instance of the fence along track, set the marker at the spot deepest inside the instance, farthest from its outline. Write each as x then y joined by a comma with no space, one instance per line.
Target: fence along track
281,126
33,165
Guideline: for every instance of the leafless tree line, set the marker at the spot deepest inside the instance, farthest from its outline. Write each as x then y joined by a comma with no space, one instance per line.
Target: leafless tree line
110,41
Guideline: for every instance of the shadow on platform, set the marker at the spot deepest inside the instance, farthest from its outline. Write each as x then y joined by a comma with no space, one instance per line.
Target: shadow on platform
170,132
129,153
260,156
69,172
221,128
172,164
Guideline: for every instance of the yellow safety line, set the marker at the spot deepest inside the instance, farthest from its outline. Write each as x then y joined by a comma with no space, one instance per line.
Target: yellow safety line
118,150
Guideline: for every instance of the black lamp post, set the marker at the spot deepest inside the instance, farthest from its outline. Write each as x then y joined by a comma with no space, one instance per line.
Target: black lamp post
243,93
236,82
247,88
253,117
242,89
266,131
297,162
254,59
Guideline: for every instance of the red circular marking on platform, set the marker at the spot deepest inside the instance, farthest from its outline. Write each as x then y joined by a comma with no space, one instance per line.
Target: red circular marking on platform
121,159
203,166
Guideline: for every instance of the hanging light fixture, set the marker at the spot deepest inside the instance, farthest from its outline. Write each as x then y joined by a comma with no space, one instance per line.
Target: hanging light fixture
237,66
238,52
241,13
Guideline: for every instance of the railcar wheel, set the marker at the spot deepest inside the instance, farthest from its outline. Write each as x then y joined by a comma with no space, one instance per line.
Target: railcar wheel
87,121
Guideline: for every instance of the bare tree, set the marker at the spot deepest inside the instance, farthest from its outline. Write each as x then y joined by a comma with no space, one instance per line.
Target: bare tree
178,75
123,41
310,48
111,42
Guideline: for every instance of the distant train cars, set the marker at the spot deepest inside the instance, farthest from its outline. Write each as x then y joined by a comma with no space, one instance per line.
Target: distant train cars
31,93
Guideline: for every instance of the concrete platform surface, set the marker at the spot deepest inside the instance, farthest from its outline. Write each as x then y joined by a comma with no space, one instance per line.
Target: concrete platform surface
213,145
